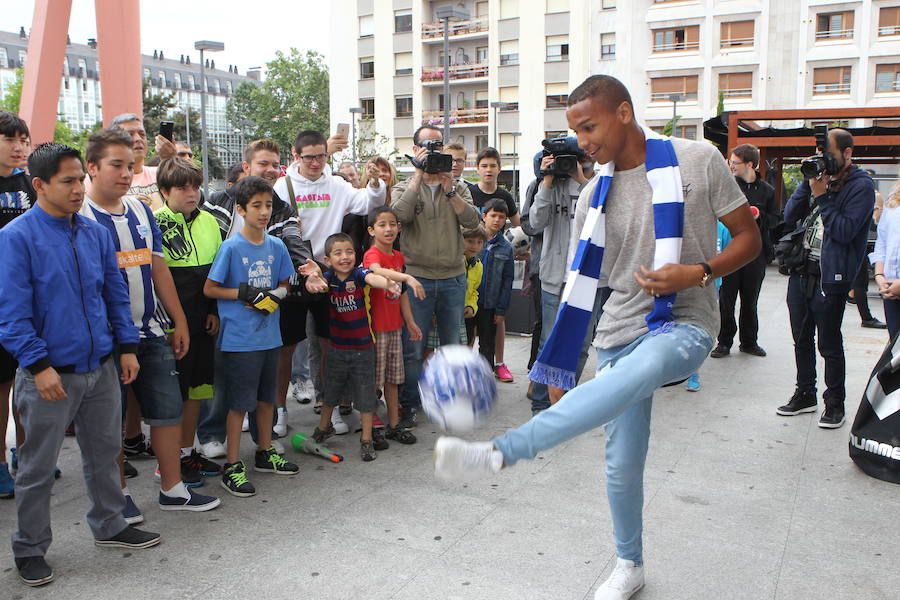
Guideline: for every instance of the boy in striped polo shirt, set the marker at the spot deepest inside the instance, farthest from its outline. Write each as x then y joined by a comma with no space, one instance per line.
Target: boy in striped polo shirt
351,357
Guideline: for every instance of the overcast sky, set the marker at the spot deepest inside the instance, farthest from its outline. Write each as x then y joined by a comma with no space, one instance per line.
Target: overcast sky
252,31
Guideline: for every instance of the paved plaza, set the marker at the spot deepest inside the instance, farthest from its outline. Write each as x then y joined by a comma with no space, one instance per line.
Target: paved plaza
740,504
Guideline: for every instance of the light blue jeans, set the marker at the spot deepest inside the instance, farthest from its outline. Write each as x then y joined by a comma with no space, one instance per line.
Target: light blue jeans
619,397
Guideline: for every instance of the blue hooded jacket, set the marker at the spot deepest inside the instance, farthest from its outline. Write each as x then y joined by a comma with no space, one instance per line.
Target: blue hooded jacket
64,297
846,215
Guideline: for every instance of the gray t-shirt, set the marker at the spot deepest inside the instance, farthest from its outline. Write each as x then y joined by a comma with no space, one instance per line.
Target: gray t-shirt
710,192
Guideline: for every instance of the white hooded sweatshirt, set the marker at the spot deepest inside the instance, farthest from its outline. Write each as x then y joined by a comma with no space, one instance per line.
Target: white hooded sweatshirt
323,203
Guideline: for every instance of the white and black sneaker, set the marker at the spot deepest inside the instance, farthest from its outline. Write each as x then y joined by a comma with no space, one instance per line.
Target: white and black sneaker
800,402
34,570
456,459
194,502
625,579
131,537
832,417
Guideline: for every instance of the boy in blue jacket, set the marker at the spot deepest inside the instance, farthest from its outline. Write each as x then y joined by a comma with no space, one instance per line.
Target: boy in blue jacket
71,311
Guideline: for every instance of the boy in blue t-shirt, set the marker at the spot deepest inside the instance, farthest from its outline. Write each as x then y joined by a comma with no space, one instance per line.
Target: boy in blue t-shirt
249,278
350,368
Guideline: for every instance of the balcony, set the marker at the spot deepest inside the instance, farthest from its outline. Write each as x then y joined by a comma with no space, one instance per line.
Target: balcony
834,34
676,47
435,31
736,43
831,88
666,96
457,72
737,93
887,30
458,117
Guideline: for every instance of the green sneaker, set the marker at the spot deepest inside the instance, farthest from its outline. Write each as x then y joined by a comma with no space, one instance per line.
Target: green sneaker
269,461
234,479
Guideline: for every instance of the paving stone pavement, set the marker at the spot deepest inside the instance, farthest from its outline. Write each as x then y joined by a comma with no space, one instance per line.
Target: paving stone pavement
740,503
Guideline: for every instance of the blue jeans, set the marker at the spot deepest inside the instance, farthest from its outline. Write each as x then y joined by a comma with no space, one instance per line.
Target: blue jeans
892,316
445,299
213,411
540,396
620,397
300,362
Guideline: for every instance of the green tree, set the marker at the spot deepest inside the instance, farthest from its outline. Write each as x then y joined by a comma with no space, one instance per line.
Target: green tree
10,102
720,106
294,97
669,128
369,144
792,178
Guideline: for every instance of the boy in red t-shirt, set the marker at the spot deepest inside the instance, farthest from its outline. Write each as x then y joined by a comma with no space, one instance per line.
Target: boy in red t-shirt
389,312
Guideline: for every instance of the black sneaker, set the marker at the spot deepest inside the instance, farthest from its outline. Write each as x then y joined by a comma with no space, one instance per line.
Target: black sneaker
320,435
189,474
234,479
367,450
378,441
129,470
201,464
874,323
194,503
800,402
137,447
832,417
131,537
409,421
34,570
754,350
398,434
269,461
719,351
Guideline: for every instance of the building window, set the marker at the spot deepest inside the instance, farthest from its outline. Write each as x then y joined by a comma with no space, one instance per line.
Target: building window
4,61
608,4
162,79
736,85
676,39
888,21
402,21
177,77
887,78
661,88
366,26
481,142
228,87
403,63
554,6
557,95
191,83
607,45
509,52
557,48
688,132
835,26
481,99
146,74
831,80
509,96
22,56
366,68
368,106
555,133
403,106
481,54
736,34
509,9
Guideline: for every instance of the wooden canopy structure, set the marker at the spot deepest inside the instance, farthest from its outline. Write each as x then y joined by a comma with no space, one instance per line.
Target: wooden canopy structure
778,147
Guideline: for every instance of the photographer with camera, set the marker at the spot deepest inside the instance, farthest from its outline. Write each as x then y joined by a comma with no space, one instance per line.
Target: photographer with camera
564,171
432,207
833,208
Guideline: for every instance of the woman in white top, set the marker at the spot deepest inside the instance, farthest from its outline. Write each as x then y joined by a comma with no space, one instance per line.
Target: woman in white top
886,259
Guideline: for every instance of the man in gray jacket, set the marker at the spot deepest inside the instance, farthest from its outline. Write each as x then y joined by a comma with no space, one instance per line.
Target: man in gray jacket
552,212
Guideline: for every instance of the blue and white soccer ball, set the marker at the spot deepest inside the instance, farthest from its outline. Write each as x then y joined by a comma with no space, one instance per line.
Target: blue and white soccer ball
457,388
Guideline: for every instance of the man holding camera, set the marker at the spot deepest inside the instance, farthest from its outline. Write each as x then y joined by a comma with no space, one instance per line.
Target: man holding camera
432,206
835,207
552,212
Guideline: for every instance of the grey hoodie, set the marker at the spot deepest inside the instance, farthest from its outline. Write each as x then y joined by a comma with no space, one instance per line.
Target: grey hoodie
553,213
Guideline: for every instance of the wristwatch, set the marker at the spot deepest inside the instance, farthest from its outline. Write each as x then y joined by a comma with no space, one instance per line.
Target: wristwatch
707,273
451,193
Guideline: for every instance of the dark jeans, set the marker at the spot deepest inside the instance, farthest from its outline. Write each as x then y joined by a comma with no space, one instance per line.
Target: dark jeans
892,316
538,322
746,283
861,290
483,324
811,311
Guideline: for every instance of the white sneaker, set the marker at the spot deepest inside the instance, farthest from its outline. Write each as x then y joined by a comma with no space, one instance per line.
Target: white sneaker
340,428
304,392
280,427
623,582
294,391
458,459
245,426
279,447
213,449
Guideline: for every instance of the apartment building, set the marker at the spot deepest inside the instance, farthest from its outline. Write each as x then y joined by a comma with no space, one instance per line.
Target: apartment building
513,62
80,97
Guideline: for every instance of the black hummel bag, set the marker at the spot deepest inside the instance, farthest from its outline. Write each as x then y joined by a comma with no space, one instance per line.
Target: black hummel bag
875,435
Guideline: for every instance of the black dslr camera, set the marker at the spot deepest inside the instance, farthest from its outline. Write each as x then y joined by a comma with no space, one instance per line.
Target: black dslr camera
566,159
823,162
435,161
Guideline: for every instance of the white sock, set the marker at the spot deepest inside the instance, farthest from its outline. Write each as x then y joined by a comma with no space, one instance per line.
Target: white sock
178,491
496,461
186,451
125,491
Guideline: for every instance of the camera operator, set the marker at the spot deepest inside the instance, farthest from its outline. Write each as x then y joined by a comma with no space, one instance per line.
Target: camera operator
836,208
432,207
552,213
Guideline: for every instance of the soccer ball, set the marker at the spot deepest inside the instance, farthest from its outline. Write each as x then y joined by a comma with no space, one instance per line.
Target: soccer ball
457,388
518,240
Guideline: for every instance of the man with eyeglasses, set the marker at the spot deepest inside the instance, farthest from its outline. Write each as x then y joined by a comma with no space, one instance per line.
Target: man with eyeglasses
432,207
747,281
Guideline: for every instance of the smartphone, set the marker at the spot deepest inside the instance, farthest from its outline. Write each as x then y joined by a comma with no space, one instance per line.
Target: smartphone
165,129
343,130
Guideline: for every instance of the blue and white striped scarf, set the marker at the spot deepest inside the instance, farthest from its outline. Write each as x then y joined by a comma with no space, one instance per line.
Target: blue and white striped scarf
558,361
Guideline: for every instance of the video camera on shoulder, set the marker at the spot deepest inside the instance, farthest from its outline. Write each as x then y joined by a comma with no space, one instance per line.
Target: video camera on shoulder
823,162
435,161
565,152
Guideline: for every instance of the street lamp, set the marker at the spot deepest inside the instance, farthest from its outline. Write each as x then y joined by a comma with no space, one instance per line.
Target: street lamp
446,14
515,136
496,106
675,98
356,110
205,45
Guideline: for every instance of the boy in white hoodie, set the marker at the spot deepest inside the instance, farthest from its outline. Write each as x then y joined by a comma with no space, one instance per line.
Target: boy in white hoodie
322,202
